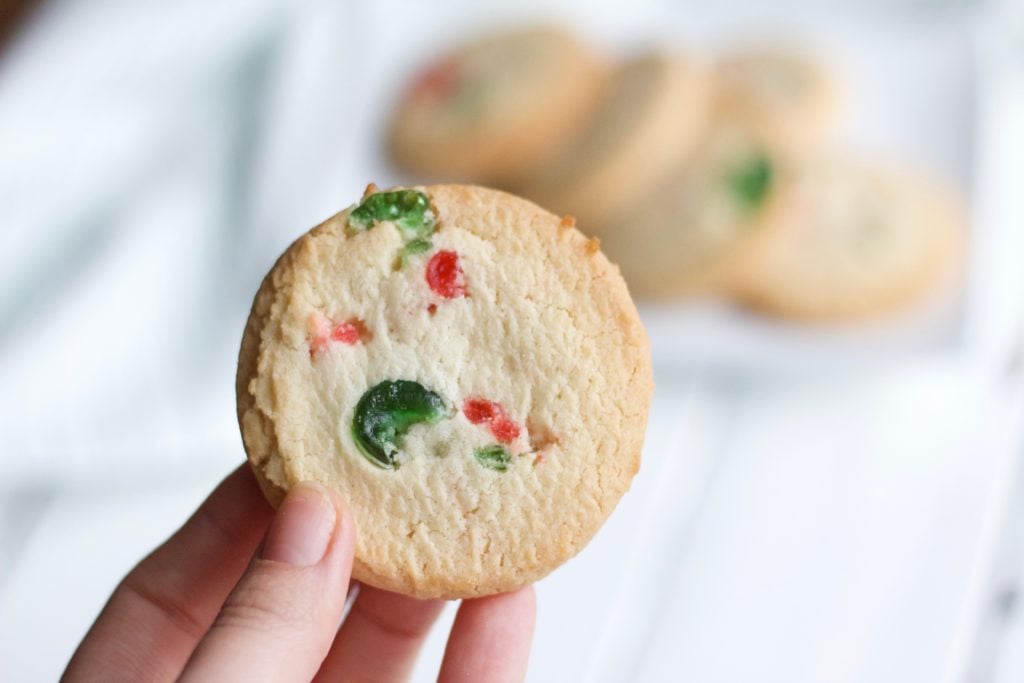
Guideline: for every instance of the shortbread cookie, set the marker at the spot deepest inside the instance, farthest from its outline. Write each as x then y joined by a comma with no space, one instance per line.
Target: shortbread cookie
783,91
693,231
863,241
652,115
494,109
465,369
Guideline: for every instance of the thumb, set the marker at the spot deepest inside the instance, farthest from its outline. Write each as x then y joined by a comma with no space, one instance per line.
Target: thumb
279,621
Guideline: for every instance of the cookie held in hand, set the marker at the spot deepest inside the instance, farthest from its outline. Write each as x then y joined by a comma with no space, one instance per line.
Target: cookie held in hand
465,369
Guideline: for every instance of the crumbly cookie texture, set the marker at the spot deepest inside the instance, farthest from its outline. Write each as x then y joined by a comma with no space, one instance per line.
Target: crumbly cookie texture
652,115
479,401
495,108
694,231
782,90
863,241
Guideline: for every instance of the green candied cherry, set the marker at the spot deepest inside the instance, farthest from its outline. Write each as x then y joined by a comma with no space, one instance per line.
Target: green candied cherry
494,457
751,181
419,245
386,412
408,209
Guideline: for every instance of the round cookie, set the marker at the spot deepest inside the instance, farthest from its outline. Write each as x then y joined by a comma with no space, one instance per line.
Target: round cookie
863,241
651,116
494,109
783,91
465,369
693,231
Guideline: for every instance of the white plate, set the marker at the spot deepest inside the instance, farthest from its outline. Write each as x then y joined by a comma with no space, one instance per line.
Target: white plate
911,97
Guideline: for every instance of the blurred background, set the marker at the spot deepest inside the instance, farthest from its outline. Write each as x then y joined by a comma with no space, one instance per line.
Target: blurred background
817,206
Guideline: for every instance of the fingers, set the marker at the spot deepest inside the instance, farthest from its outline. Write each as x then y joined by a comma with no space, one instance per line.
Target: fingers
380,638
490,639
279,621
159,612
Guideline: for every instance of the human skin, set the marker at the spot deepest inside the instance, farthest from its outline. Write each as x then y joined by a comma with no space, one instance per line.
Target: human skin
243,593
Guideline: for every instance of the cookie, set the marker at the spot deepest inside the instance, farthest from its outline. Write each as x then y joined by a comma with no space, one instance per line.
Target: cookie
781,90
693,231
864,241
494,109
652,115
466,369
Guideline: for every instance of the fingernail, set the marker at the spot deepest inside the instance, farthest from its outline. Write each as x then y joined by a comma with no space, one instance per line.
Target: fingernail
302,528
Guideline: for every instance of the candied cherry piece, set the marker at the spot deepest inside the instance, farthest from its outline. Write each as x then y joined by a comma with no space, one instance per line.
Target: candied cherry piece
494,457
386,412
751,181
438,81
480,411
408,209
323,331
444,275
346,333
504,430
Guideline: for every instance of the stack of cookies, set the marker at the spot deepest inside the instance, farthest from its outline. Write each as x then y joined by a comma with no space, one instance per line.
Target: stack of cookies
701,177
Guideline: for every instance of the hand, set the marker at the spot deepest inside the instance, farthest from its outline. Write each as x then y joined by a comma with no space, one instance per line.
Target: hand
213,603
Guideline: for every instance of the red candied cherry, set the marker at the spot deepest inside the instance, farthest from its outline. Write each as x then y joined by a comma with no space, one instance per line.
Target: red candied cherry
438,81
323,331
480,411
444,275
346,333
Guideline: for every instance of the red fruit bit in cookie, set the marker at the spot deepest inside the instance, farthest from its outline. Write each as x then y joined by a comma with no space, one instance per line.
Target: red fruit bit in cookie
481,411
346,333
444,275
504,430
322,332
438,81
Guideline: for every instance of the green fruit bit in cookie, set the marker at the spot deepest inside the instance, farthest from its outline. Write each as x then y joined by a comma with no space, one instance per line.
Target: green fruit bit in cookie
408,209
386,412
751,181
493,458
417,246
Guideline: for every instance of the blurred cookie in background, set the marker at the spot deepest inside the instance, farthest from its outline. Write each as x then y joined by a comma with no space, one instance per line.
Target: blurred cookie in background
651,116
862,241
495,108
790,93
695,229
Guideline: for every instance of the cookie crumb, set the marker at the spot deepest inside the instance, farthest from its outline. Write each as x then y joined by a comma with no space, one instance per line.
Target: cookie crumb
593,245
567,222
